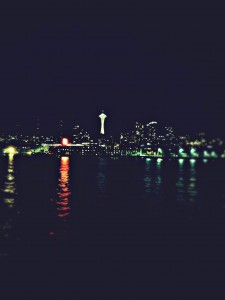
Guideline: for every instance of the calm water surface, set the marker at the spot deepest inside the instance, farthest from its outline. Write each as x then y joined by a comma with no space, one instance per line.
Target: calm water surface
137,216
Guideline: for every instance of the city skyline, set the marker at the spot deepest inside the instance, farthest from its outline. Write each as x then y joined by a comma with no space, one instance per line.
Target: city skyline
112,149
117,121
149,139
66,128
150,63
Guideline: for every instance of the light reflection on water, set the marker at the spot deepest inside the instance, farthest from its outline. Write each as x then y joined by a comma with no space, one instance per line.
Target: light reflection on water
153,179
186,182
63,188
101,176
9,184
180,185
147,178
114,185
157,175
192,189
9,193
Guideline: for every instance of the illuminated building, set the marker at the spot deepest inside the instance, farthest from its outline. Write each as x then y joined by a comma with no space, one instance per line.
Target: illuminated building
151,132
76,134
38,128
60,129
143,140
139,133
151,138
36,136
102,117
169,133
18,131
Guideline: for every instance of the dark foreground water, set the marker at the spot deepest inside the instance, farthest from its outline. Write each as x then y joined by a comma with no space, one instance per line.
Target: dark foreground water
96,228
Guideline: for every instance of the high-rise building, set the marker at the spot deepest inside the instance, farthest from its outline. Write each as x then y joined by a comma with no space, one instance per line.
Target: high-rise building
76,134
151,132
18,130
60,130
102,117
170,140
38,128
36,137
169,134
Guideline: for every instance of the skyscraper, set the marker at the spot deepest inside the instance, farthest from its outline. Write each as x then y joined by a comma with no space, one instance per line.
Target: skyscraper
76,134
37,137
38,128
60,130
102,116
139,133
151,129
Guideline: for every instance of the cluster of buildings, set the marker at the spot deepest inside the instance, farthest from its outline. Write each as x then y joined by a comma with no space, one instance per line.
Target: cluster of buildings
149,140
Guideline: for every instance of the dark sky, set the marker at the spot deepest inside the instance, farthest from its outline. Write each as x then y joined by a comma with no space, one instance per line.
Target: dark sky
137,61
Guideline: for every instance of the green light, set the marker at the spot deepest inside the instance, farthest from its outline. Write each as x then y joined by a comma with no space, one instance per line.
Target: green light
205,154
181,161
182,153
213,154
192,161
160,151
193,152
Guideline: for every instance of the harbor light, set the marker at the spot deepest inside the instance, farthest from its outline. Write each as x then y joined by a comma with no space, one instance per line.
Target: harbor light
10,150
65,142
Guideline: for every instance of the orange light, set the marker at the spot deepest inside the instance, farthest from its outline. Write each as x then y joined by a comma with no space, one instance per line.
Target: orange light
65,142
64,159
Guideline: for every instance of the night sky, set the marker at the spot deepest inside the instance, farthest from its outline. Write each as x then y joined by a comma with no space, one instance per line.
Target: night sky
137,61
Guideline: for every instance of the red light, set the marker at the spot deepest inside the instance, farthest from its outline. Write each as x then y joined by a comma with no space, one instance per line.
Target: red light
65,142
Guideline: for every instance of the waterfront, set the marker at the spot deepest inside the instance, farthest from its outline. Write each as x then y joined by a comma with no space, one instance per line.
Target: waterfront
96,216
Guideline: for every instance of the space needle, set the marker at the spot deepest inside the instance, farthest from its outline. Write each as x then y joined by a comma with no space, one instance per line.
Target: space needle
102,117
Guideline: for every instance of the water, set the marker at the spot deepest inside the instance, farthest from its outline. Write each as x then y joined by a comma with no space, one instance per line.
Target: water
109,222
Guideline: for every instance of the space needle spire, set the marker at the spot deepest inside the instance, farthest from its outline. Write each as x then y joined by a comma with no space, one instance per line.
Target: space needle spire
102,117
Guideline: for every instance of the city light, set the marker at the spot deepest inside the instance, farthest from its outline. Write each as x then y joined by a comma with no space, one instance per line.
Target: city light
193,152
143,140
213,154
181,161
65,142
205,154
182,153
192,161
64,158
160,151
10,150
102,116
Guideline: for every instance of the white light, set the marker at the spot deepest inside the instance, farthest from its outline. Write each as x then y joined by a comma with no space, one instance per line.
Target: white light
102,116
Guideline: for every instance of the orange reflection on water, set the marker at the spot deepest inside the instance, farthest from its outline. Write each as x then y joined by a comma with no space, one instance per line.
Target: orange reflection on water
63,188
9,188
